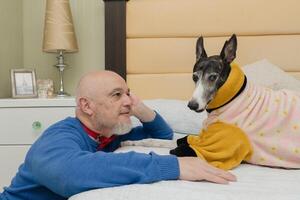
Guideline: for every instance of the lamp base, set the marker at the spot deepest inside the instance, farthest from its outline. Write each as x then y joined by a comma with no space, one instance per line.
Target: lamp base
61,67
62,94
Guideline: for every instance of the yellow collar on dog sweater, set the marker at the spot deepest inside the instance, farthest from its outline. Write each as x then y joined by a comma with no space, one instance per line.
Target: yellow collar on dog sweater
229,89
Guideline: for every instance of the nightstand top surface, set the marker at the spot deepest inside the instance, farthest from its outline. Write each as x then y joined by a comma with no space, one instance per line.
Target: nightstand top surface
38,102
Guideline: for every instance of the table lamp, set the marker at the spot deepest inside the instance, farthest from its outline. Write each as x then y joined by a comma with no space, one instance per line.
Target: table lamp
59,35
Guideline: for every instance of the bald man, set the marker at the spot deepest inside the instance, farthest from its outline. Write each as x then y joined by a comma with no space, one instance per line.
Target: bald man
76,154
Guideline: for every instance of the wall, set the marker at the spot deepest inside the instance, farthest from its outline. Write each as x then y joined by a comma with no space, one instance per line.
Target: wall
89,21
88,18
11,37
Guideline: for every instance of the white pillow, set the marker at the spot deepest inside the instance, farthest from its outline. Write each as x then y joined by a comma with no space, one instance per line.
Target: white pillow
177,115
269,75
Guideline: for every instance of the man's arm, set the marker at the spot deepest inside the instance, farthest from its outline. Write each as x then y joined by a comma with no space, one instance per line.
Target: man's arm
140,110
62,163
196,169
154,126
66,169
157,128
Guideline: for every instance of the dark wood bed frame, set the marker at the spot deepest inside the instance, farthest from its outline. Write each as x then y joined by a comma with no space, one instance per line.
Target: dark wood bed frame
115,36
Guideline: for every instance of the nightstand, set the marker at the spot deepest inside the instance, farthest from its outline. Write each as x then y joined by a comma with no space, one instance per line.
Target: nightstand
22,122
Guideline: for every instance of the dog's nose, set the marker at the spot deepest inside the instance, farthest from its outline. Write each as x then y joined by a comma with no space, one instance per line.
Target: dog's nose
193,105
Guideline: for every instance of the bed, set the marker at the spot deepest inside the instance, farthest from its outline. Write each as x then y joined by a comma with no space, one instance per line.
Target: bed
151,44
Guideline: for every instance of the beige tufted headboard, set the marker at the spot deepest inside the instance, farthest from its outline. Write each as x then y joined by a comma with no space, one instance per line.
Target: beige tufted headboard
151,43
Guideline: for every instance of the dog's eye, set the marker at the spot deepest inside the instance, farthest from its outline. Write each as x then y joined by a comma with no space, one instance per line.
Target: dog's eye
212,78
195,78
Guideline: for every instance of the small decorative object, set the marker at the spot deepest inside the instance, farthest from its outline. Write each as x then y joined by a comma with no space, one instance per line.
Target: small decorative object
23,82
45,88
59,35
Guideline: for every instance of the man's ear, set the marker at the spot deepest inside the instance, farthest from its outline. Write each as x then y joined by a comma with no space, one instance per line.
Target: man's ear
200,51
228,52
85,105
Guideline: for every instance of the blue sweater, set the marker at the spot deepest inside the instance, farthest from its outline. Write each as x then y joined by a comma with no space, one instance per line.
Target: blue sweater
64,161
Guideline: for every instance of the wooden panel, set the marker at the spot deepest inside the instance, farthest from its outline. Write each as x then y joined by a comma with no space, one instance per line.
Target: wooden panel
160,55
178,18
295,74
169,86
115,36
166,55
166,86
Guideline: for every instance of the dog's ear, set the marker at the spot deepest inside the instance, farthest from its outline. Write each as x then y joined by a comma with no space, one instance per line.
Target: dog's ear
200,51
228,52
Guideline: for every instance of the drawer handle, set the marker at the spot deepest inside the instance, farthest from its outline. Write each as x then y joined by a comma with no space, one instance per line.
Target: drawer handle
36,125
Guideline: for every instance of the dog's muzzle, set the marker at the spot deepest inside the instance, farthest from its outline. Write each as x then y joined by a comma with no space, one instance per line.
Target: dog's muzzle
193,105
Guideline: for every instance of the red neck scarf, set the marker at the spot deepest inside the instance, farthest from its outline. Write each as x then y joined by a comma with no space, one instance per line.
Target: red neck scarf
102,141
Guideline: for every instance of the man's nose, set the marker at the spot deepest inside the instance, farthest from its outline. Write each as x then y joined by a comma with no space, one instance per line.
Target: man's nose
127,100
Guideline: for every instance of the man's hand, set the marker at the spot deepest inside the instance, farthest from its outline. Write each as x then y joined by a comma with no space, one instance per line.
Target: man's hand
196,169
140,110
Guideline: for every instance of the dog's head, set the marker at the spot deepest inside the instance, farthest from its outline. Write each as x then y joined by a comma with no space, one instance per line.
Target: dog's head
210,73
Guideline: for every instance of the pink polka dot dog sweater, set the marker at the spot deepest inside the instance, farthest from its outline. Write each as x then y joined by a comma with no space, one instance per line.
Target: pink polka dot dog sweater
269,119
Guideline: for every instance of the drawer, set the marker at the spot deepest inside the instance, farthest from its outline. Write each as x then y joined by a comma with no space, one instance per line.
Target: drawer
11,157
24,125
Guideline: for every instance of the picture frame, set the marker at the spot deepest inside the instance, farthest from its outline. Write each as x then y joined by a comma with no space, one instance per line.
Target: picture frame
23,82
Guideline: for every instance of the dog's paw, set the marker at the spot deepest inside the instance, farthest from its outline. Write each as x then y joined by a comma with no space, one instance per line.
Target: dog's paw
150,142
182,141
183,150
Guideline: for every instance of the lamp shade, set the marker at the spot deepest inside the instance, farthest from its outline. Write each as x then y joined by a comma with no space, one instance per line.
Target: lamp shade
59,34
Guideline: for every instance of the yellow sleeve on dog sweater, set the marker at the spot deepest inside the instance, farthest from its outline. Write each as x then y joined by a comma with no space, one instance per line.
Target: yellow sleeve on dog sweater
222,145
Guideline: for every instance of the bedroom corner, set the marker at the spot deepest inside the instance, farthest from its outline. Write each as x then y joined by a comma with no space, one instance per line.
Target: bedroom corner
21,37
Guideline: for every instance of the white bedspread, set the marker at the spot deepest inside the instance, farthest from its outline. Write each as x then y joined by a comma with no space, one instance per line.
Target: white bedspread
254,182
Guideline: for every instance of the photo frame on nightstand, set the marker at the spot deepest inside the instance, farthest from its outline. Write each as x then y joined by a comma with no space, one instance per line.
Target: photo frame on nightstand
23,82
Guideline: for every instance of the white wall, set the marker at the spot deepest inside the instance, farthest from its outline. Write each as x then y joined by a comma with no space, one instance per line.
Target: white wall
11,46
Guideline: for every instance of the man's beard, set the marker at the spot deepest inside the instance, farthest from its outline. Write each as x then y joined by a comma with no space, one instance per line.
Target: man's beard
122,128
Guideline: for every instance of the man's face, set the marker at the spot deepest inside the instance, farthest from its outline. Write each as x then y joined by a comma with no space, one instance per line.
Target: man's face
112,107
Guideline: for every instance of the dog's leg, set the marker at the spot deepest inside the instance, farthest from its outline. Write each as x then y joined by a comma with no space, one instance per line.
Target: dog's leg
151,142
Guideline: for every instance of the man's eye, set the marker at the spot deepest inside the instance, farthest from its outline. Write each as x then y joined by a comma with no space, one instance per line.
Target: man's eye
117,94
